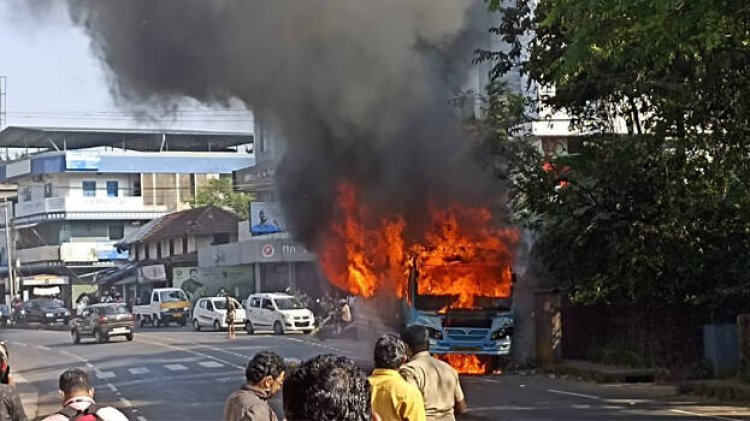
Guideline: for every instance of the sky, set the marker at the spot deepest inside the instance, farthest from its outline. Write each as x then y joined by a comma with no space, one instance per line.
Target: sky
53,79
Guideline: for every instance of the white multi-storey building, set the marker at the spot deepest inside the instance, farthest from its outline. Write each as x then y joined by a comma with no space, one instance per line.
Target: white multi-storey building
81,191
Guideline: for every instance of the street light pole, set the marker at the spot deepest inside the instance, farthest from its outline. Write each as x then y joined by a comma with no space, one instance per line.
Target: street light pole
8,255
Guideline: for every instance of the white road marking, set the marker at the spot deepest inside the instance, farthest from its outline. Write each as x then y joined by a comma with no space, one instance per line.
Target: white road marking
126,402
696,414
138,370
89,365
19,343
105,375
42,347
141,418
112,387
190,351
210,364
580,395
175,367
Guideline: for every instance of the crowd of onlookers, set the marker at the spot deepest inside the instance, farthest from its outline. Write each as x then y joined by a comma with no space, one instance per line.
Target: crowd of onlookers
406,384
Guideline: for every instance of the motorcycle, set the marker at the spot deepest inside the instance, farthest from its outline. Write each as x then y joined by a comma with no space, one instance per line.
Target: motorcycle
332,326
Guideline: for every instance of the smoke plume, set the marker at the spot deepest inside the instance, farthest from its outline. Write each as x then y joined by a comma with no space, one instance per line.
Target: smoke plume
359,90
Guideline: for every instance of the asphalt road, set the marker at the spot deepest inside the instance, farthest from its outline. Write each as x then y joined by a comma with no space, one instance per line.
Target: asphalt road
176,374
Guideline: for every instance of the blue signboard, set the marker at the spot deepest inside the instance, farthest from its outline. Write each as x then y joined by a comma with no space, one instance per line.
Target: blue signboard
82,162
112,254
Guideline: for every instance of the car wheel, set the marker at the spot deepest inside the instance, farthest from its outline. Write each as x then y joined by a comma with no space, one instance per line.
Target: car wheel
196,325
76,337
100,337
249,327
217,326
183,322
278,329
130,336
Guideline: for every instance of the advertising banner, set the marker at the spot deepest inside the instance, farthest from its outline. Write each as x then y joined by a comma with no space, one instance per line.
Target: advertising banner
209,282
266,218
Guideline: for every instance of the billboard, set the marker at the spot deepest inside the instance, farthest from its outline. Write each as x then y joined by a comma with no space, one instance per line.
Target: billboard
266,218
81,162
205,282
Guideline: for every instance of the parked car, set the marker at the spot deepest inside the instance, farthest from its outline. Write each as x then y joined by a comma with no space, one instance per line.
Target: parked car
45,311
212,311
277,312
103,321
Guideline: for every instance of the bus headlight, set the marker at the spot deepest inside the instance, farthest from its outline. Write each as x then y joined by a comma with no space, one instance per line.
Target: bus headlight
502,333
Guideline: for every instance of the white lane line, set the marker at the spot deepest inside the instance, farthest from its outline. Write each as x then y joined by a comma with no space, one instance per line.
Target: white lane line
105,375
580,395
19,343
175,367
138,370
126,402
42,347
141,418
190,351
210,364
112,387
89,365
696,414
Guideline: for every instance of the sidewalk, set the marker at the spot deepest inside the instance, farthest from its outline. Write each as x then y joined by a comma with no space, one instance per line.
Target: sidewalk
729,390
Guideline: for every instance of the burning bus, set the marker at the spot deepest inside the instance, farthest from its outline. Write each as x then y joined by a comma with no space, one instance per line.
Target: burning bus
471,321
453,276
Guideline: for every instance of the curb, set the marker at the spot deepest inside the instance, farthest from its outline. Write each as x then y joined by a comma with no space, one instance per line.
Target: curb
601,373
730,390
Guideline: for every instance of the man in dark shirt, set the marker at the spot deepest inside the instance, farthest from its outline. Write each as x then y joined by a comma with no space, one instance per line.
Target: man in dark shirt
11,408
265,375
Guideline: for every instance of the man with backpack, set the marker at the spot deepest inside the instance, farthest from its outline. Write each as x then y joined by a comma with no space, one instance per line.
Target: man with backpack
78,400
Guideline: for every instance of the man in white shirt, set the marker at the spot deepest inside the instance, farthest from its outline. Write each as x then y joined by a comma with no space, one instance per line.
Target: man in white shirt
77,398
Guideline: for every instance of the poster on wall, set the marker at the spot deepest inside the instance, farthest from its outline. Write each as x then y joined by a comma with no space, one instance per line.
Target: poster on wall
266,218
210,282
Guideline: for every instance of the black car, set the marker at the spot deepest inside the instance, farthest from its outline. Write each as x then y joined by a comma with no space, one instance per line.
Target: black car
45,311
103,321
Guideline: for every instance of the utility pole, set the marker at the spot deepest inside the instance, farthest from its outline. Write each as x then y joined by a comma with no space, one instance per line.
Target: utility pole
8,254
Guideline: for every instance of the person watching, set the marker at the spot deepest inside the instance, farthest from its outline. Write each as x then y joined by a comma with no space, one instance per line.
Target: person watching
392,397
328,388
436,380
77,398
265,376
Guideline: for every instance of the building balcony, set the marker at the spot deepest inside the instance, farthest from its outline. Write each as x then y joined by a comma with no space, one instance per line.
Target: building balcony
79,252
86,206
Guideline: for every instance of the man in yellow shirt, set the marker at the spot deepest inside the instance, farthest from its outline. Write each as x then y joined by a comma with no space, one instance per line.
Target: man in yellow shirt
394,399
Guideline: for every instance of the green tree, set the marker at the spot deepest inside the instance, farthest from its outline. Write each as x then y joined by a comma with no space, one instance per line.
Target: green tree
661,215
218,192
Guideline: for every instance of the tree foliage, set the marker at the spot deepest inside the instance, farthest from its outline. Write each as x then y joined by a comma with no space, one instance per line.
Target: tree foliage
218,192
661,215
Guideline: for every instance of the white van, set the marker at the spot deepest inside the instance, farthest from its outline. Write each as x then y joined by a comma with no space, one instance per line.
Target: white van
277,312
212,311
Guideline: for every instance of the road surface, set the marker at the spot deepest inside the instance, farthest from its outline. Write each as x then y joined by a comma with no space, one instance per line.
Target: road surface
177,374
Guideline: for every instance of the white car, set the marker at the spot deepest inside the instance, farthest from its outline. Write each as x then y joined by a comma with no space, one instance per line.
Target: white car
212,311
277,312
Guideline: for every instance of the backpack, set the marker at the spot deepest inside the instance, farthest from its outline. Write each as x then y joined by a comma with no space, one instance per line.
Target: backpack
86,414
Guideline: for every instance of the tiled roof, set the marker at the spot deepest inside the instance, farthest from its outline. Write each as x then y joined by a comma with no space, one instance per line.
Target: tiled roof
205,220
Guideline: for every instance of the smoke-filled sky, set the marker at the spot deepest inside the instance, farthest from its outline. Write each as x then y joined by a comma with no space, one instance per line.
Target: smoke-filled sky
360,90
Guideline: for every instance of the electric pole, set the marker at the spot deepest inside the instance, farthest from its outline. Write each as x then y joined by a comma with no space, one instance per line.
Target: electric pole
8,255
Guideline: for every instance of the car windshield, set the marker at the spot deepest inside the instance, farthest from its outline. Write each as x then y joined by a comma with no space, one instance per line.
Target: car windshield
114,310
222,304
288,303
172,296
50,304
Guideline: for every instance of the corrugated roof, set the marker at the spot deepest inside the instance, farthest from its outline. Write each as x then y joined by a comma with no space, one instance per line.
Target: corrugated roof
133,139
192,222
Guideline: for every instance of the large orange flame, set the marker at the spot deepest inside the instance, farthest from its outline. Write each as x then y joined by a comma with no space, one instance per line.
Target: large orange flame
466,364
461,253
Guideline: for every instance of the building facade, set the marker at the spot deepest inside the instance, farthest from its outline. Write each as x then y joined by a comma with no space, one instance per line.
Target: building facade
89,189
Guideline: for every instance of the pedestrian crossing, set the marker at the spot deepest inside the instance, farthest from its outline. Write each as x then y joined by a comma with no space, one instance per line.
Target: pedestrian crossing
161,369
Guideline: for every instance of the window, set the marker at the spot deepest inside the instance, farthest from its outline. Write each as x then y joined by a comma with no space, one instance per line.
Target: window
89,188
116,232
113,189
203,303
137,187
209,306
48,190
158,250
26,194
145,246
267,304
184,245
221,238
171,247
255,302
137,254
155,297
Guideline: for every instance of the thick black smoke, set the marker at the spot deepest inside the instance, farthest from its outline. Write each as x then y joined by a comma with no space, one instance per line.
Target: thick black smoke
359,89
